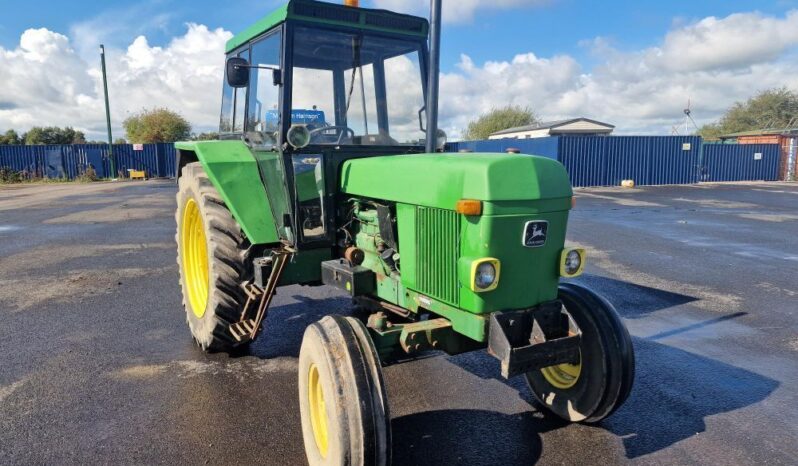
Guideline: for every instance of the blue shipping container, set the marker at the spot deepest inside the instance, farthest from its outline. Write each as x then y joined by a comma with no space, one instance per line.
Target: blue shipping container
607,160
741,162
648,160
69,161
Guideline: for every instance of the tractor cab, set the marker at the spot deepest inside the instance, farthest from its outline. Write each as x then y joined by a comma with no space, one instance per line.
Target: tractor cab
315,84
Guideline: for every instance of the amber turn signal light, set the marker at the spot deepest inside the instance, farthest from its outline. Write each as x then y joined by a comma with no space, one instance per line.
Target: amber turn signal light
468,207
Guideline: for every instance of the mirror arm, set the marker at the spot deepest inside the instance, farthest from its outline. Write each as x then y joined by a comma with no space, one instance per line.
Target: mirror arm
262,67
277,78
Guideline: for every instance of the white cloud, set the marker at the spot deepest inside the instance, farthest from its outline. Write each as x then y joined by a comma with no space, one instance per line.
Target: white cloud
714,62
735,41
47,82
454,11
526,80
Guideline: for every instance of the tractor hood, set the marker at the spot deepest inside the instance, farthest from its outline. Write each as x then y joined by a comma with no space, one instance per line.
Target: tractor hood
440,180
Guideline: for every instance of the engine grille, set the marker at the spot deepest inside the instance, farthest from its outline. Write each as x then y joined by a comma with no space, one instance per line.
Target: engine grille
437,249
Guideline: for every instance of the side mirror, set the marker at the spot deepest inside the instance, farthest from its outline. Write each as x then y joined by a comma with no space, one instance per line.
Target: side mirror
237,72
277,77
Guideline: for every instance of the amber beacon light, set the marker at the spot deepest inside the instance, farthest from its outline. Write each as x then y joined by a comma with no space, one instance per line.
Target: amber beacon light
354,3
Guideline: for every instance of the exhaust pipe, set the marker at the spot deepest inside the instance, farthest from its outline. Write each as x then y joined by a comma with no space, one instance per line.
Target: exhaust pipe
434,71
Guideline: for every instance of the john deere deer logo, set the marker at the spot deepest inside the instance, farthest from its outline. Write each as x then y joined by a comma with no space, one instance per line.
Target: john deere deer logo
535,233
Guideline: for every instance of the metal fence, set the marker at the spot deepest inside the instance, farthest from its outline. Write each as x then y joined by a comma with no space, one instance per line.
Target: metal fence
648,160
69,161
741,162
590,160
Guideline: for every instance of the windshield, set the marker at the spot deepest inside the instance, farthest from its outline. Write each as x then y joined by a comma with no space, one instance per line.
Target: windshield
357,89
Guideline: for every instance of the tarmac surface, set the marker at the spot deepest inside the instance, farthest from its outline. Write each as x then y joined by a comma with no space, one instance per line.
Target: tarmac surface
97,365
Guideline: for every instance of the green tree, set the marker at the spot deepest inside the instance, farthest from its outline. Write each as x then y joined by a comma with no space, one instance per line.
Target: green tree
120,141
10,138
53,135
770,109
156,125
36,135
498,119
78,137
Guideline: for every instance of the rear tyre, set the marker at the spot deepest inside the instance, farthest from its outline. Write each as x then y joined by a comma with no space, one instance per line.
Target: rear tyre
212,255
601,381
342,399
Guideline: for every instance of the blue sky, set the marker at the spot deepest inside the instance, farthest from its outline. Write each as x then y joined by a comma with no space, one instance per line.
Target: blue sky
551,28
630,63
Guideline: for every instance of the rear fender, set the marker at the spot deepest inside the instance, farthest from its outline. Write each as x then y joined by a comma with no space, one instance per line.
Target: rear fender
233,170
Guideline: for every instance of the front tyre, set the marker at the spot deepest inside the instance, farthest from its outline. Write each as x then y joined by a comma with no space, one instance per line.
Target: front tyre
212,255
601,380
342,399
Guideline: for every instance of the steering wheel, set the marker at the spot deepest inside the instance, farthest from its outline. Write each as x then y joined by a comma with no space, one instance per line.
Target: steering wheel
340,130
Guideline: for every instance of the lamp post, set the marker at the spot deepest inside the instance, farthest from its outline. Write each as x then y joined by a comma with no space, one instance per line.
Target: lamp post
108,114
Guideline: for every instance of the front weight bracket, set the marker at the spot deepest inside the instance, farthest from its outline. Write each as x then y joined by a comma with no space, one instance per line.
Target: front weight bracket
531,339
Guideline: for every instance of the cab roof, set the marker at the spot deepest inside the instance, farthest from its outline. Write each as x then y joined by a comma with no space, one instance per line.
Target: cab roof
333,14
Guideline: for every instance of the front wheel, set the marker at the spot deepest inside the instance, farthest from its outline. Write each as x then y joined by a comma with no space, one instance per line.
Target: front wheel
342,398
601,380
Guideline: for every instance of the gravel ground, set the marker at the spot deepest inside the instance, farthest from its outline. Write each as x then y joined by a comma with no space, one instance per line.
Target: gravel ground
97,366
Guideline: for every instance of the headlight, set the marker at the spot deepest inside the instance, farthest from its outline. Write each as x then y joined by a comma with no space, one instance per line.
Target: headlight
485,274
298,136
572,261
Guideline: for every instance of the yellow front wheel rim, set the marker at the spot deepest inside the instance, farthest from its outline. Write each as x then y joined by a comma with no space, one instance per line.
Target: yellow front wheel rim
318,413
195,258
563,376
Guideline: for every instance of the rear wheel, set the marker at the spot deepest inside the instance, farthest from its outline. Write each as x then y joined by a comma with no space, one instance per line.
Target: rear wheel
212,255
598,384
342,399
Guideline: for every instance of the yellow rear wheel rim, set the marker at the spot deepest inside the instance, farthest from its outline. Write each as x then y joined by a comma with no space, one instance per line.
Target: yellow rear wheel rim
563,376
195,258
318,413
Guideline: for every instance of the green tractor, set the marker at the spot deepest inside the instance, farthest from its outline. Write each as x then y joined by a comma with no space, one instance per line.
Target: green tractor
449,252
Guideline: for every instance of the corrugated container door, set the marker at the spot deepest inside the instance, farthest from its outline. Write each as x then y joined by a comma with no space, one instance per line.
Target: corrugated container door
628,159
55,163
585,159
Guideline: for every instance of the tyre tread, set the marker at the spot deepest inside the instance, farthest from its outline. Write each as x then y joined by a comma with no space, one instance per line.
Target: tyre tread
229,253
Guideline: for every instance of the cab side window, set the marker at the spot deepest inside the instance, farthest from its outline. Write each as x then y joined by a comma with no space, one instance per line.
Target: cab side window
240,101
263,115
228,98
234,101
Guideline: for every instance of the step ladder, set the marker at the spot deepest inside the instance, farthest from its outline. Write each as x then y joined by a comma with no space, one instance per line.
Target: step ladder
248,326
